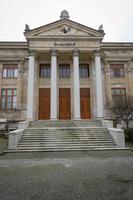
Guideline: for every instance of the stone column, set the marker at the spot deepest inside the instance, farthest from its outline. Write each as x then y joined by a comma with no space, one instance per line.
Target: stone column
30,89
99,89
76,85
19,85
53,103
1,69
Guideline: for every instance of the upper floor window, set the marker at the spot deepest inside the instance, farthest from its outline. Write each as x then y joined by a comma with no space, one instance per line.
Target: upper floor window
45,71
64,71
8,99
84,70
117,70
10,71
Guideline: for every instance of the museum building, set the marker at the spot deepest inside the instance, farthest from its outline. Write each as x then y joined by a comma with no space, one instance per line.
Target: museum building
63,72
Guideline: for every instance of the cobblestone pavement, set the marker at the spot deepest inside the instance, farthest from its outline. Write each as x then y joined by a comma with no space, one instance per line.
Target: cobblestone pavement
67,176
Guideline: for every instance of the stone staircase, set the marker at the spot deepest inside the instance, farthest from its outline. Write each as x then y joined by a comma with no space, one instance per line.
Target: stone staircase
65,136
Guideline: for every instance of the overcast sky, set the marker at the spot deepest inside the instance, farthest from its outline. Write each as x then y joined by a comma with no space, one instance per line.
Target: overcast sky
115,15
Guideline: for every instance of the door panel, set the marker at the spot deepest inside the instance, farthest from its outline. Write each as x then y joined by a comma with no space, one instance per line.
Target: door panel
44,103
85,103
64,103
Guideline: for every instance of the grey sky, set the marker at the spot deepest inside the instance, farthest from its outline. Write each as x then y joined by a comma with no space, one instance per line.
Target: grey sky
115,15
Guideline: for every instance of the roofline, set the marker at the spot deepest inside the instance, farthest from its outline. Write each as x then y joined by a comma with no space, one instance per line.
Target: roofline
116,44
50,24
12,42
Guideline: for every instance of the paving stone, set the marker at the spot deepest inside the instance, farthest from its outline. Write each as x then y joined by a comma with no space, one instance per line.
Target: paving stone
67,176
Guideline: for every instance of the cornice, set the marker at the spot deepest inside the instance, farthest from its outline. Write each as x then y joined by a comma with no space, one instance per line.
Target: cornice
116,45
13,45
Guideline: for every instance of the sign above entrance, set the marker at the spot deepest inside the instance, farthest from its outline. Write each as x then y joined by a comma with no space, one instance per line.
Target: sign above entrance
65,44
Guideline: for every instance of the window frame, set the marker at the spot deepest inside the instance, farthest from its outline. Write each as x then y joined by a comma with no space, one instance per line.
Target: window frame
8,97
118,73
84,71
46,73
64,71
120,94
10,71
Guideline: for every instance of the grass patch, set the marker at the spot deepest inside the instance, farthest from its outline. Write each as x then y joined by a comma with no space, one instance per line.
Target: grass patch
129,134
3,141
2,135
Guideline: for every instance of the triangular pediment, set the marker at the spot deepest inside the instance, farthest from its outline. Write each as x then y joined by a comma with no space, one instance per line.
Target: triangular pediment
63,28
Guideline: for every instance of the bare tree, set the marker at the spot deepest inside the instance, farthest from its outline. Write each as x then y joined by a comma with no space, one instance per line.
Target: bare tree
122,107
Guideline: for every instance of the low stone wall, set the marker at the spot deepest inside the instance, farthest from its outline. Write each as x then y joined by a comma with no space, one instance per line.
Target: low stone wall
14,137
3,124
107,123
118,136
23,125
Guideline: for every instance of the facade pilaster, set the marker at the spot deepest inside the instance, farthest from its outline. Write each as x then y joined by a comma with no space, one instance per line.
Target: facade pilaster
30,89
53,103
76,85
99,89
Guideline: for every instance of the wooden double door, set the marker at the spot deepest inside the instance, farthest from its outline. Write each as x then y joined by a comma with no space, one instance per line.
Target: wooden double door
64,103
85,106
44,103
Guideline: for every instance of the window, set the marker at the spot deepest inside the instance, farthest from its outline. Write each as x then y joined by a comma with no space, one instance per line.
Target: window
8,99
45,71
10,71
118,93
117,70
84,70
64,71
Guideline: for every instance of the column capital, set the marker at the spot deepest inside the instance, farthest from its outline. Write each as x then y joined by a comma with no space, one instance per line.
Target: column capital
53,52
97,53
75,52
31,52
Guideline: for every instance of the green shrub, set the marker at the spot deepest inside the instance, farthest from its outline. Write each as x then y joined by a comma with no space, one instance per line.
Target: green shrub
129,134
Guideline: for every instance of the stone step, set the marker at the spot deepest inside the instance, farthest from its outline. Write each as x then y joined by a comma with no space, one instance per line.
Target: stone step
62,139
65,138
63,135
63,142
65,132
65,127
52,148
105,148
62,123
66,146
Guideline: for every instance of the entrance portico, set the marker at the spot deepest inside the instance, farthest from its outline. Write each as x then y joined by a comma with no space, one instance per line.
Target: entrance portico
78,88
64,51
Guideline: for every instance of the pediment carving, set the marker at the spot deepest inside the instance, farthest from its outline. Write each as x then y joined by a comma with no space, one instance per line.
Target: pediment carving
65,30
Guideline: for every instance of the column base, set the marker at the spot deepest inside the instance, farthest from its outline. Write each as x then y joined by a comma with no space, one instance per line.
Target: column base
99,118
53,119
77,119
30,120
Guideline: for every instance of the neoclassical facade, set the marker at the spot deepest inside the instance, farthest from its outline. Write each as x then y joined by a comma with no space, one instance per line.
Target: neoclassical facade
63,71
